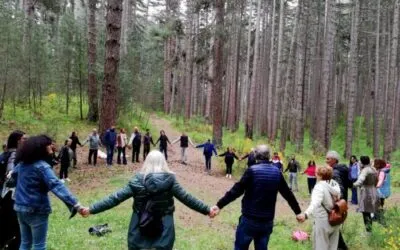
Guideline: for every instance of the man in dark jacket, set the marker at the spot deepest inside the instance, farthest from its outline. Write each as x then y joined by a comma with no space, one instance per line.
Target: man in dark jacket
136,142
293,168
263,181
74,144
341,176
147,140
207,152
185,140
110,139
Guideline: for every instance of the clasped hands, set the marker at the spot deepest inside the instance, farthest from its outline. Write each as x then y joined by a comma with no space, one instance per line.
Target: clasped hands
84,211
301,218
214,211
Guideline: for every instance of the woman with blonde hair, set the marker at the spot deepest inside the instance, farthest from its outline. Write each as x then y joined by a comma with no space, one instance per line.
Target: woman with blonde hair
325,192
156,183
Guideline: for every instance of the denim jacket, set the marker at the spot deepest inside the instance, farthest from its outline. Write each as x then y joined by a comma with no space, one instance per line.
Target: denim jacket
34,181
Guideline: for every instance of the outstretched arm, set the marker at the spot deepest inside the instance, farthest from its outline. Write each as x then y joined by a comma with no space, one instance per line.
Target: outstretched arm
223,154
113,200
236,191
288,195
189,200
176,140
190,141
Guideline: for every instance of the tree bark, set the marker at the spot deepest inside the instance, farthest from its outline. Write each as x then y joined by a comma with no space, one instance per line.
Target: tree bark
377,100
110,86
218,72
389,133
93,113
353,65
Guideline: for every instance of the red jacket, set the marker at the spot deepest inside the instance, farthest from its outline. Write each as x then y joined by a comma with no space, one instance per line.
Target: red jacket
310,171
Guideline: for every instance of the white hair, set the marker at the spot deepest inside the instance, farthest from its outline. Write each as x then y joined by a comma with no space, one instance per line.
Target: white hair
263,152
155,163
333,154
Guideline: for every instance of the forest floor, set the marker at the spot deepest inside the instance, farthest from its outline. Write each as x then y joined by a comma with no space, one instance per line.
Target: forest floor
193,230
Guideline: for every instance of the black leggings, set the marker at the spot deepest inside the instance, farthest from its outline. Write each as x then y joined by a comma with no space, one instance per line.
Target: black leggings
208,162
135,153
311,183
92,154
64,171
367,221
229,167
165,151
146,151
9,229
121,151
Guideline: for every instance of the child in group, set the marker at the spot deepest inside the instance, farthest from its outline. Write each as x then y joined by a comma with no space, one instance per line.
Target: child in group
230,157
66,157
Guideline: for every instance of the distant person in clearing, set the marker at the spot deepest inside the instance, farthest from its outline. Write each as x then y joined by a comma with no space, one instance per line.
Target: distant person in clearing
230,157
369,200
276,161
260,185
136,142
110,140
326,191
311,177
163,139
94,144
122,141
74,144
293,168
66,157
208,150
157,183
251,158
147,140
354,171
185,140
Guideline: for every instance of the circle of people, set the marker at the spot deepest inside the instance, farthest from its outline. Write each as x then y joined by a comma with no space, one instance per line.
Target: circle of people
28,178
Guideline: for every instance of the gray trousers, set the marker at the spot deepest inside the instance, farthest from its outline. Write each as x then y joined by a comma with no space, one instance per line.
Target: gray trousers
293,181
183,155
325,237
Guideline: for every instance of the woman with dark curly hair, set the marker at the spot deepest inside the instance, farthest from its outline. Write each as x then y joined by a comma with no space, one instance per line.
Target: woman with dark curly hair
35,179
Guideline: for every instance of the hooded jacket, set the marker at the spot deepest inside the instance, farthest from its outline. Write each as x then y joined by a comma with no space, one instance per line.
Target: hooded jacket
163,187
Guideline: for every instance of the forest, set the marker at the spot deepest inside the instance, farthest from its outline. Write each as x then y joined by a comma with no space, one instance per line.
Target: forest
303,76
281,68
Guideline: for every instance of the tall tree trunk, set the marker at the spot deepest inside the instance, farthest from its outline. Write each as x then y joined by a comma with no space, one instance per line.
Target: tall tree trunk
271,82
189,64
286,111
300,74
252,96
278,82
218,72
353,65
93,113
328,51
247,81
377,100
110,86
388,145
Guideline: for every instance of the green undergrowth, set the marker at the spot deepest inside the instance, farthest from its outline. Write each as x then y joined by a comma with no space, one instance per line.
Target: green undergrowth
50,118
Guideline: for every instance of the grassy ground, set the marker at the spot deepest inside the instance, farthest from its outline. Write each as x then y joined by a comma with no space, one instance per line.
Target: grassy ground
193,231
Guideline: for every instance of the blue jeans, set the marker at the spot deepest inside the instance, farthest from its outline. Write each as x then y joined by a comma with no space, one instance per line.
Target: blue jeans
250,229
110,154
33,230
354,198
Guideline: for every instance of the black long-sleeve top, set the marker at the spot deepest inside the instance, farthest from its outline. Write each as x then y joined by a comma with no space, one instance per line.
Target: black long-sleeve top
229,157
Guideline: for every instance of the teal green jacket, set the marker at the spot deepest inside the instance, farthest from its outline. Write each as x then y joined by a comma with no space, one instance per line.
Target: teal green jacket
166,188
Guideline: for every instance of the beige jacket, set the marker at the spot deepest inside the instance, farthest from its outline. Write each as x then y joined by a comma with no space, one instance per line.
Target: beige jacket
323,193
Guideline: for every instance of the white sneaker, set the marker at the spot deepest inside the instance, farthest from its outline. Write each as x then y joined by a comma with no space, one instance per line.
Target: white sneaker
62,180
227,176
230,176
68,179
